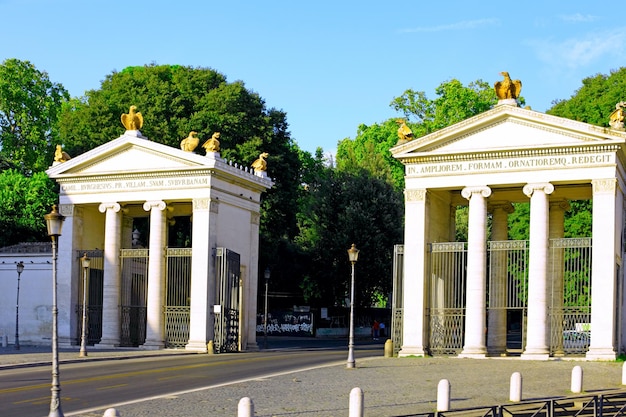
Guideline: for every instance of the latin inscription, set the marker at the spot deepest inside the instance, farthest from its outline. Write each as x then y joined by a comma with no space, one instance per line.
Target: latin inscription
136,185
509,164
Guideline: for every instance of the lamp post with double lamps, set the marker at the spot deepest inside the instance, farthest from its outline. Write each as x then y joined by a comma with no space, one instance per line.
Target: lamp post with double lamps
85,261
54,221
267,282
20,269
353,256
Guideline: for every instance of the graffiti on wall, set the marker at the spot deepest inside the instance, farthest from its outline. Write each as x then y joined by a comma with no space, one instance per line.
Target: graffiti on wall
286,323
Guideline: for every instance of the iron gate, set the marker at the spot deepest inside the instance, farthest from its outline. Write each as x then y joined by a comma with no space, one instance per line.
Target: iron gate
94,296
227,267
569,295
570,311
134,296
397,294
448,262
507,294
177,297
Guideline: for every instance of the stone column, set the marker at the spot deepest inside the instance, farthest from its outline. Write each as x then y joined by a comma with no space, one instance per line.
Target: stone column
606,230
249,289
68,275
414,297
537,316
556,258
476,292
155,334
202,276
111,321
498,294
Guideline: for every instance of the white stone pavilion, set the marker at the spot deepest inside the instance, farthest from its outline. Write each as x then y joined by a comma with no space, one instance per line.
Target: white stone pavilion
548,296
143,292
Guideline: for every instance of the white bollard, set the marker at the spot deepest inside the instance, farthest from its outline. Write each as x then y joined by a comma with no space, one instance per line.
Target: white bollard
515,393
577,380
245,408
111,412
356,403
443,395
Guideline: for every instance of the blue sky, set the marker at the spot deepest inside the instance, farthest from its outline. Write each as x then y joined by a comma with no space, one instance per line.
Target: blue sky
330,65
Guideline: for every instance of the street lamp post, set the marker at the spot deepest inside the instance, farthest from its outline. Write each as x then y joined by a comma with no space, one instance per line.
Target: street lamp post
20,269
54,221
353,256
83,336
267,281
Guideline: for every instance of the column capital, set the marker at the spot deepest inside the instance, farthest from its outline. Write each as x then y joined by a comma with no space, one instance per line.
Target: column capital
505,206
415,195
604,185
156,204
116,207
559,204
530,188
483,190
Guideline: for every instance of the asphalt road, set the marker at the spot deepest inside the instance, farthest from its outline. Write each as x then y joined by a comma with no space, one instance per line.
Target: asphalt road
25,392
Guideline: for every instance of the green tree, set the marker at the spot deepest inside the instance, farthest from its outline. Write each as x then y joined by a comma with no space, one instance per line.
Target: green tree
29,107
454,103
23,203
350,207
595,100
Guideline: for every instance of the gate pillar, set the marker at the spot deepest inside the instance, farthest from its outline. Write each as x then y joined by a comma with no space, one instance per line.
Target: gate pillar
155,336
202,276
111,275
537,334
476,295
606,250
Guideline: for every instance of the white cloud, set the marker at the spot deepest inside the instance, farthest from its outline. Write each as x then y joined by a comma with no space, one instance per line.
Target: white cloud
580,52
578,18
463,25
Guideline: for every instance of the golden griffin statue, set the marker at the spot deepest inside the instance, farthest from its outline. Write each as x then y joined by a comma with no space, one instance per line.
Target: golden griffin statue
507,88
133,120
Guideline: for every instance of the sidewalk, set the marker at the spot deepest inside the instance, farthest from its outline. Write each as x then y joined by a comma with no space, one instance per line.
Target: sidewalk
391,386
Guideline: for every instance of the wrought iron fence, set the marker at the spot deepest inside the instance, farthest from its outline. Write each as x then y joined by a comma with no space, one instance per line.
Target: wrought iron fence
599,405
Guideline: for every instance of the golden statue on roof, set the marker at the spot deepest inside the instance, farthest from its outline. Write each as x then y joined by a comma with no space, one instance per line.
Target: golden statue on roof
213,144
190,142
616,119
404,132
260,164
133,120
507,88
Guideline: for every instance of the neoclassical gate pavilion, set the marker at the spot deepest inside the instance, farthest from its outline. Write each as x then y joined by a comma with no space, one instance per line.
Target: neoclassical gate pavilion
547,296
141,291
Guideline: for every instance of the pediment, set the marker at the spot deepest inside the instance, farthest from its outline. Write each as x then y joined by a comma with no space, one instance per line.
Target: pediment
507,128
129,153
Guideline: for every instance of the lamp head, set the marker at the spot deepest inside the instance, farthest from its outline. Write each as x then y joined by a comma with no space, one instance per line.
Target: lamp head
85,261
20,267
54,221
267,273
353,254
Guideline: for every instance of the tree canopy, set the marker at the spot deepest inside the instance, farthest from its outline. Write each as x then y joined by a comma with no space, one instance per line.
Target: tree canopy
29,108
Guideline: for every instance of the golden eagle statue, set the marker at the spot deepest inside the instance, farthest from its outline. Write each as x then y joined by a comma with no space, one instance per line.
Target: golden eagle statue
260,165
133,120
190,142
507,88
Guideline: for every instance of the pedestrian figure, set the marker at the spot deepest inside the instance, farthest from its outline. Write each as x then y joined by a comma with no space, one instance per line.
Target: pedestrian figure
381,327
375,330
